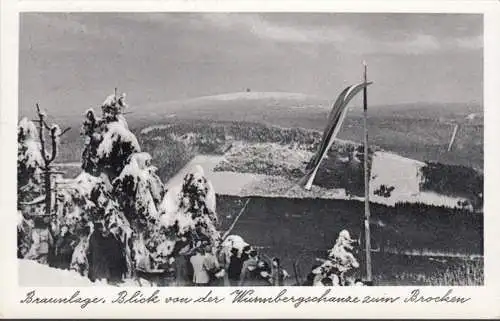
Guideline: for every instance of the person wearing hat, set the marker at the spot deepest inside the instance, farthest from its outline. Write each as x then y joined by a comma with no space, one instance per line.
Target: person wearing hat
65,245
97,254
117,261
200,274
212,266
235,267
277,273
249,268
42,241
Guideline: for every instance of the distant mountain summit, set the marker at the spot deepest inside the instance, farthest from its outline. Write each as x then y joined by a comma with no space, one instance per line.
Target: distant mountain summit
419,131
258,96
264,107
294,109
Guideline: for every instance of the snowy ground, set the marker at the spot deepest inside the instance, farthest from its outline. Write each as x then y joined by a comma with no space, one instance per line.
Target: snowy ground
404,174
394,170
225,183
32,273
388,169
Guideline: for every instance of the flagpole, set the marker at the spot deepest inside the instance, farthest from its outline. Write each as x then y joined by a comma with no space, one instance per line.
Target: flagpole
367,184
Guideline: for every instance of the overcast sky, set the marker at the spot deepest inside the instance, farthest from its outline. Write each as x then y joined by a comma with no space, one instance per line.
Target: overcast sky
69,62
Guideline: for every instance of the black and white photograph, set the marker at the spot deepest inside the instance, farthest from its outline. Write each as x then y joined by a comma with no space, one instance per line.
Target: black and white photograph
245,149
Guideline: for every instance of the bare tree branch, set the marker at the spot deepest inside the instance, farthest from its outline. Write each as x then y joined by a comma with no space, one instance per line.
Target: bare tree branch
46,125
53,137
64,131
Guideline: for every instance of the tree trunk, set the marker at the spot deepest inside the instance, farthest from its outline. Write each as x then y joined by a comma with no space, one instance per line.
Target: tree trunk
48,192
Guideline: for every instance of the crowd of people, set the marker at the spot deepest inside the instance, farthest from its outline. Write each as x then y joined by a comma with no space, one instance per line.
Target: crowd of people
244,266
223,265
45,246
99,254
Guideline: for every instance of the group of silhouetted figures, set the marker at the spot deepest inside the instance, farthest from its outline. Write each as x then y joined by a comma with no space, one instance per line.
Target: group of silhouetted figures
101,256
206,265
105,254
41,244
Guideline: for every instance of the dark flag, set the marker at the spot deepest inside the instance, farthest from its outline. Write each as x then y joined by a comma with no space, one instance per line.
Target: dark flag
335,119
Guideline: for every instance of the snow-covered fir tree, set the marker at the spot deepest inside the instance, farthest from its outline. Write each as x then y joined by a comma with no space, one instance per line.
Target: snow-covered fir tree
138,190
188,217
339,262
118,186
108,141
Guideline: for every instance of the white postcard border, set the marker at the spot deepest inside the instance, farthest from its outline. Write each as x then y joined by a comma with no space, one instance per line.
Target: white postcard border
484,300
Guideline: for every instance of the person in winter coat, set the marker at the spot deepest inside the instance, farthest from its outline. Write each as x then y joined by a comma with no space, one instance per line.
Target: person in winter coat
200,274
224,258
116,258
249,274
24,231
65,245
79,260
23,242
310,278
212,266
22,247
235,267
278,274
97,254
42,242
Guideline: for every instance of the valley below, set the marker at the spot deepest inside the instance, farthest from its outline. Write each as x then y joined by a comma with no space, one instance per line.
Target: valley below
426,201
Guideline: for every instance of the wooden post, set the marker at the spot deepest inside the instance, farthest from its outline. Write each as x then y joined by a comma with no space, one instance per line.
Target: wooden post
453,135
277,272
48,159
367,183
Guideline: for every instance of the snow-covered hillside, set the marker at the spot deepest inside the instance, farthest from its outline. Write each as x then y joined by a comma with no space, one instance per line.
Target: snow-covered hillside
239,96
404,175
388,169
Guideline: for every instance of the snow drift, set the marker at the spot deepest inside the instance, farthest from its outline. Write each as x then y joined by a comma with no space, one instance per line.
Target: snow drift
32,273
